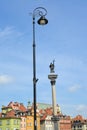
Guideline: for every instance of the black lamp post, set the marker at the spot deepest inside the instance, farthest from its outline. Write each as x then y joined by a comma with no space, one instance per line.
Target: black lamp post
42,12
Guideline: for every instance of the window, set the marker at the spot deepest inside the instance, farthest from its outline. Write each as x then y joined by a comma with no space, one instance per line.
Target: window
16,129
7,128
24,125
24,120
0,122
29,124
8,122
80,126
21,125
16,122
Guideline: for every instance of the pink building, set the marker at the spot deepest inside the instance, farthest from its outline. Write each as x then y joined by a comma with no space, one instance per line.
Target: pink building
23,123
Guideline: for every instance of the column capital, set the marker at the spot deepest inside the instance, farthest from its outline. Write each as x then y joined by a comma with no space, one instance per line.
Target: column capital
52,77
53,82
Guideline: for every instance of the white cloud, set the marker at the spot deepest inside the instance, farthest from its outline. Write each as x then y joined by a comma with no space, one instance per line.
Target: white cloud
74,88
5,32
74,110
81,108
9,31
5,79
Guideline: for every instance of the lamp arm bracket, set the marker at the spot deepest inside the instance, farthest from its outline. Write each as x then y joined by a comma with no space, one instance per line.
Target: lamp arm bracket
39,11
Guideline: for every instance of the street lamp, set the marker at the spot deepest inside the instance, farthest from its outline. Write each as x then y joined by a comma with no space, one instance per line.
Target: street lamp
41,12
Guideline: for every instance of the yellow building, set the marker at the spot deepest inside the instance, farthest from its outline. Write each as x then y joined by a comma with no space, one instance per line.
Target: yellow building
30,121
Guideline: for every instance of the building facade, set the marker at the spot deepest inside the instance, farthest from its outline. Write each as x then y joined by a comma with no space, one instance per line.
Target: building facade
65,123
30,122
47,122
79,123
16,117
10,123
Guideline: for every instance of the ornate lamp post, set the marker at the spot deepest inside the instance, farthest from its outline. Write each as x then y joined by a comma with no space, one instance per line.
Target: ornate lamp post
41,12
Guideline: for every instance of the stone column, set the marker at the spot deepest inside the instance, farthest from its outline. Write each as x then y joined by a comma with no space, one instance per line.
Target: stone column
52,76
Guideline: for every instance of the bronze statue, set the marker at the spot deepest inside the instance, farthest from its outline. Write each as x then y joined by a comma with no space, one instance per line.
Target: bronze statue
52,67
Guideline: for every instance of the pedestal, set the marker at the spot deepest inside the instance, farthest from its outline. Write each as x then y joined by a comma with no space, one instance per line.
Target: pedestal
55,120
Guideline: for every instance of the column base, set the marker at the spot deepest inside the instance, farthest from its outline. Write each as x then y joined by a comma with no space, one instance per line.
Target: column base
55,118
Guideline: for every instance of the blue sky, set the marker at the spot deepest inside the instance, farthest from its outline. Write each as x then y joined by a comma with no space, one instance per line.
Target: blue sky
64,39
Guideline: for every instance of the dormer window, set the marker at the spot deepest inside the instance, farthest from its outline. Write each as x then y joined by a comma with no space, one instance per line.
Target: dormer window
3,115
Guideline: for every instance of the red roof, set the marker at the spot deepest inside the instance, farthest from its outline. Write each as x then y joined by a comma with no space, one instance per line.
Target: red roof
17,106
45,112
79,118
10,114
